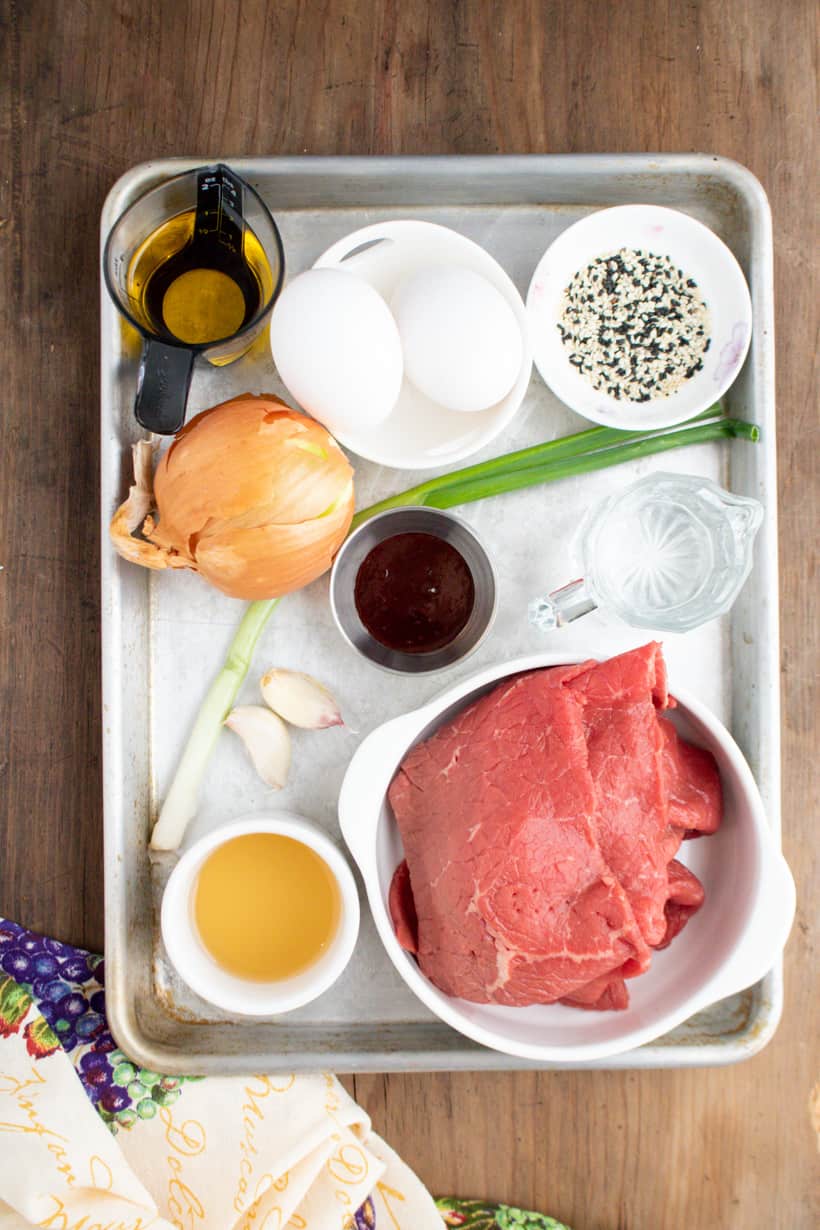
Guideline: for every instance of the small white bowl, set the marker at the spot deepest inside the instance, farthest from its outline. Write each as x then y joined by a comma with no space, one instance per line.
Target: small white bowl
732,941
694,249
197,967
419,434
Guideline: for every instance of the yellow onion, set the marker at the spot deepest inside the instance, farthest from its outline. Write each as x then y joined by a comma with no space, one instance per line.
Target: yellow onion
251,495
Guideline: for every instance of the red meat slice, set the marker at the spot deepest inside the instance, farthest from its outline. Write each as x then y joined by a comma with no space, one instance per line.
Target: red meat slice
685,899
693,788
625,748
515,903
402,909
540,827
606,992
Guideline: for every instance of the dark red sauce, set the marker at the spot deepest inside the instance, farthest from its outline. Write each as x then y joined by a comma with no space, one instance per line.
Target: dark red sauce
414,593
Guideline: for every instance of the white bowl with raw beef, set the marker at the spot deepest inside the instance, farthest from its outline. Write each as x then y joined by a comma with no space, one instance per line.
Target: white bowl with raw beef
730,943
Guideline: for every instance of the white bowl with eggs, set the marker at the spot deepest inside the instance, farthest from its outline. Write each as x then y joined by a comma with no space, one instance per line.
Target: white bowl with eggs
197,966
408,341
699,254
733,940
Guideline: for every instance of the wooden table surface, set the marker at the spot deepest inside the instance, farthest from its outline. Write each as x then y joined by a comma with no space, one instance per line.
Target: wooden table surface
89,87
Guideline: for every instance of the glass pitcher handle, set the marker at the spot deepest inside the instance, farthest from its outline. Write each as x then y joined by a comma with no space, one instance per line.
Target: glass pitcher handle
561,606
162,387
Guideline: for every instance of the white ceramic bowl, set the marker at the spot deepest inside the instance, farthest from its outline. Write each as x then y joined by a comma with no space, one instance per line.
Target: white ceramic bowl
731,942
699,253
197,967
418,434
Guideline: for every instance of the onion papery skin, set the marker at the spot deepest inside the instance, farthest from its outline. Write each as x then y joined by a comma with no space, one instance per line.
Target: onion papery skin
254,496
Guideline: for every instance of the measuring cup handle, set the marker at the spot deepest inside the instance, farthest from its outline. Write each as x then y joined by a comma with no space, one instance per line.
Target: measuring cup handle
162,387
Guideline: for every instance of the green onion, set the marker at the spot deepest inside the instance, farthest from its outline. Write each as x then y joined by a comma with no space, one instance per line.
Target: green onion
480,487
579,444
582,453
180,803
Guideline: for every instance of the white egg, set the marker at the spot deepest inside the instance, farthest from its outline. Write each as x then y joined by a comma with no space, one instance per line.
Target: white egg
337,349
461,340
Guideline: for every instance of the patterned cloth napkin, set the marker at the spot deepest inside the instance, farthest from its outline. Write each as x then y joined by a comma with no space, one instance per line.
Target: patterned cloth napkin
279,1152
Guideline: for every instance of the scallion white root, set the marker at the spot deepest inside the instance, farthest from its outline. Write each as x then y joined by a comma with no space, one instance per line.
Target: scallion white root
181,801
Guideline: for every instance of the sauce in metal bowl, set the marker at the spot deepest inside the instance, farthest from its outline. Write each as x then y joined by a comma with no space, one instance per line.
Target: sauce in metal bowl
414,592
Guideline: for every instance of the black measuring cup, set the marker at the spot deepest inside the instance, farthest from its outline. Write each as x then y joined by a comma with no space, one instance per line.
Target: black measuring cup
195,265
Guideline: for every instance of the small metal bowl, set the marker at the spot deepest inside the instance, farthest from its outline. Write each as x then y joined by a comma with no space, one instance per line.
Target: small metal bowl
422,521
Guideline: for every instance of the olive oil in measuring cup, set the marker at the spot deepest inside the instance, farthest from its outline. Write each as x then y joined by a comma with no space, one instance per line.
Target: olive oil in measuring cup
200,293
195,264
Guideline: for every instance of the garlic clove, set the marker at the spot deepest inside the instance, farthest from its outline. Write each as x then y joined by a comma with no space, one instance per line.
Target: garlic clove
300,700
266,738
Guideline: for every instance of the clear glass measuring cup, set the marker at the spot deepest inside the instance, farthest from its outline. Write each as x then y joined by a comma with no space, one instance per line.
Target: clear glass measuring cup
670,552
195,264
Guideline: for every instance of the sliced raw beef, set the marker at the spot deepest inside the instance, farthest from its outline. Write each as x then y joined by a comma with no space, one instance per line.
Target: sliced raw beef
625,748
685,899
540,827
693,789
608,991
642,817
515,903
402,909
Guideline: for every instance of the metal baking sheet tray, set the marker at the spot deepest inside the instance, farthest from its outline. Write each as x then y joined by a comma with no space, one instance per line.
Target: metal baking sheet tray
164,635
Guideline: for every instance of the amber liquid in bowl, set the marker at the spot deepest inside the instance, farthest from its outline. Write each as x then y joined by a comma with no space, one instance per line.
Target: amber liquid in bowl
266,906
174,294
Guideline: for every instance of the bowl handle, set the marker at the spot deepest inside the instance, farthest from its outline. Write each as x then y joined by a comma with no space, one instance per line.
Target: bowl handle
353,251
365,782
766,937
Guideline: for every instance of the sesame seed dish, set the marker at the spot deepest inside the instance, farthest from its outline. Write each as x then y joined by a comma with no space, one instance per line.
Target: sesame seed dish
639,315
634,325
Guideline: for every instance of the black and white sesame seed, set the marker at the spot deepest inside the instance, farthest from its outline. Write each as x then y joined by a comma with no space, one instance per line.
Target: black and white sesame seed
635,325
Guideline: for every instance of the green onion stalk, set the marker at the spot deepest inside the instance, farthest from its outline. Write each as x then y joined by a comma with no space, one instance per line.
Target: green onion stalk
582,453
180,803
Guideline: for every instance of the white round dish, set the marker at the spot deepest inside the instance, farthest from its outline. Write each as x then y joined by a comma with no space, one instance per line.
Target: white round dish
197,967
699,253
419,434
731,942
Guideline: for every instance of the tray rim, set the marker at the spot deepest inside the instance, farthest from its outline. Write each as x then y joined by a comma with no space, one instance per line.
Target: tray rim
123,1016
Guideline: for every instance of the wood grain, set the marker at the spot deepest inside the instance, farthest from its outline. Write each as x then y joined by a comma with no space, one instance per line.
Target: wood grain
89,87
